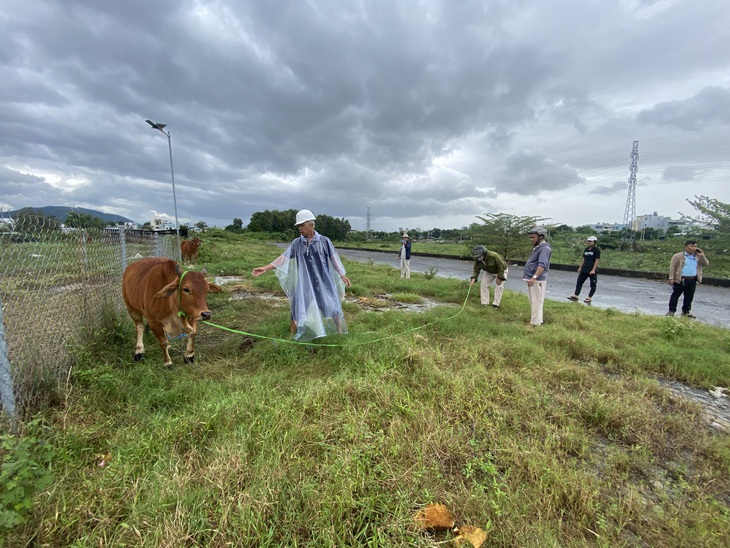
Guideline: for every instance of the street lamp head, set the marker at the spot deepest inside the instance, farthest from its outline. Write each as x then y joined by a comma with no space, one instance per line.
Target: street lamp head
156,125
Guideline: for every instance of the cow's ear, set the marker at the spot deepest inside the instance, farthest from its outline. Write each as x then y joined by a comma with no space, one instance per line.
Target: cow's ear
214,288
178,269
167,291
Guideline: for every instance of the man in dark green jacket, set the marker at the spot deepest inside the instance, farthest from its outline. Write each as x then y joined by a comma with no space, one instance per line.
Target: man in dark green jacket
495,270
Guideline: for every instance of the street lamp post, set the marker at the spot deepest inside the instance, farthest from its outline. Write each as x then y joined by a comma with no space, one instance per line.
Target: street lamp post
161,129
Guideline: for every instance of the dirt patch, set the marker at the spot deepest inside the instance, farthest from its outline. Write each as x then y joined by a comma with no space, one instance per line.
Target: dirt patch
378,303
715,403
387,302
246,344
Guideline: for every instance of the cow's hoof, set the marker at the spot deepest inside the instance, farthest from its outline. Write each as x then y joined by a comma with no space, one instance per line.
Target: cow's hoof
189,359
167,366
138,357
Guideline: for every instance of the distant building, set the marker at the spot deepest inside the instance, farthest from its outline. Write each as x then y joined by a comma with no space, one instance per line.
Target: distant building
655,221
7,222
684,225
605,228
158,225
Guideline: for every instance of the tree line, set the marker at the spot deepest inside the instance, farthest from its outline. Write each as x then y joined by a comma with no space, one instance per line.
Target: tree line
282,223
34,220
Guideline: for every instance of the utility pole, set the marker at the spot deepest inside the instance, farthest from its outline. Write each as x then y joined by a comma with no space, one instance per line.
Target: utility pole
367,225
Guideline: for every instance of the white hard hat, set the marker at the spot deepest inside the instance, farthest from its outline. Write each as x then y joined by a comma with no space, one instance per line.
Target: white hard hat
591,239
303,216
405,235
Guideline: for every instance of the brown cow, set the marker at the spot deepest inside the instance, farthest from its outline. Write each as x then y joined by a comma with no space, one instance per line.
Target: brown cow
189,249
172,301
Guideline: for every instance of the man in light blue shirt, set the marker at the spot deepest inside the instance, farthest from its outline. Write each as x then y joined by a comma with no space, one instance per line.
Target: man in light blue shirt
685,272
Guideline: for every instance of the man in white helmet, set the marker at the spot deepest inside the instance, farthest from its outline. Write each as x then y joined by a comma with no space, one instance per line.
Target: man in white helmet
405,256
312,276
536,273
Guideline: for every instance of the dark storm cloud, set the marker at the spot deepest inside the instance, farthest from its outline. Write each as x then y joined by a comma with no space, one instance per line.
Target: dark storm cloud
530,171
618,186
681,173
432,107
710,106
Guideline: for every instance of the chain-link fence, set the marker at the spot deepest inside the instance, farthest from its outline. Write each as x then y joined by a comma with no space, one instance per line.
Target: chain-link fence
57,285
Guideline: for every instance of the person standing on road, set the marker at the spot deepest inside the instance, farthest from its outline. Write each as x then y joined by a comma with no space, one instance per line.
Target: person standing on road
495,270
405,256
587,269
313,277
685,272
535,273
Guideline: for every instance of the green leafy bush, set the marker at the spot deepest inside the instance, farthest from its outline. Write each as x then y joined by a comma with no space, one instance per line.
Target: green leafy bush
23,473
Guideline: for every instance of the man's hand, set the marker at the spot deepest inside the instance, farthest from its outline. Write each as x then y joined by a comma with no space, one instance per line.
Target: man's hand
346,280
498,281
472,282
671,282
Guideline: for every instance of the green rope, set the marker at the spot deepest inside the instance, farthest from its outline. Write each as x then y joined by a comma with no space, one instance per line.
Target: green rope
181,313
309,343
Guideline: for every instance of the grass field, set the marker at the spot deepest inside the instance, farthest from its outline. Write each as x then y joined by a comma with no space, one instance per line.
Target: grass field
560,436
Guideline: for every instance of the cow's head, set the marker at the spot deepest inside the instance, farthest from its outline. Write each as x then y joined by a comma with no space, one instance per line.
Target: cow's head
189,292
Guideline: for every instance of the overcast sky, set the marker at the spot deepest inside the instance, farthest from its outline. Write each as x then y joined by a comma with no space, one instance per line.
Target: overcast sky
429,113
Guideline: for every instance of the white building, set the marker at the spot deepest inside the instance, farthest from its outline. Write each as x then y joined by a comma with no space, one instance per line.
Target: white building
604,228
655,221
161,224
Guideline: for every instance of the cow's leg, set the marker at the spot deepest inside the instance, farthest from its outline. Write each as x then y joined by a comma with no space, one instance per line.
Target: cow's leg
139,347
164,344
189,354
139,327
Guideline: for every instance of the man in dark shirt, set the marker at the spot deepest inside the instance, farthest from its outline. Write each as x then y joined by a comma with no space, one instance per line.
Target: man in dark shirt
587,269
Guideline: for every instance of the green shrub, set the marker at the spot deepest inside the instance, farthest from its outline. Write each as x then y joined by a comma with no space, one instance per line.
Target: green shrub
23,473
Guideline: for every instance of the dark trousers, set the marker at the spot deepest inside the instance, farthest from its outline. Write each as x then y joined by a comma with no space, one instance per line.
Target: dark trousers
686,286
582,277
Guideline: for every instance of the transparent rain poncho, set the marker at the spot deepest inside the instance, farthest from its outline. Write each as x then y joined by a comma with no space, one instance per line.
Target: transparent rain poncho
310,273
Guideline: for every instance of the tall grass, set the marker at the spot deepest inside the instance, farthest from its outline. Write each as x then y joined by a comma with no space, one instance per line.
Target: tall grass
560,436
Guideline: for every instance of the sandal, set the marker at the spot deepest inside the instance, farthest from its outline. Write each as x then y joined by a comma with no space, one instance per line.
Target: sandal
587,300
572,298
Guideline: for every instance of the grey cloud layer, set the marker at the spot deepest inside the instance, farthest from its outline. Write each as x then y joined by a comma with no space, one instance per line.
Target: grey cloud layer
416,109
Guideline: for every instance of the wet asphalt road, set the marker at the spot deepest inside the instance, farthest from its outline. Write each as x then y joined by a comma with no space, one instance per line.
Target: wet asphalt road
711,304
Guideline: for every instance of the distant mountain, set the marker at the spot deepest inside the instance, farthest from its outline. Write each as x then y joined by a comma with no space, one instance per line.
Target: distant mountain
60,212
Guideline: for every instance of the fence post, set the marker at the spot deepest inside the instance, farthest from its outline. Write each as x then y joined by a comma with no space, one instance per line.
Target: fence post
6,378
123,244
84,237
158,244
